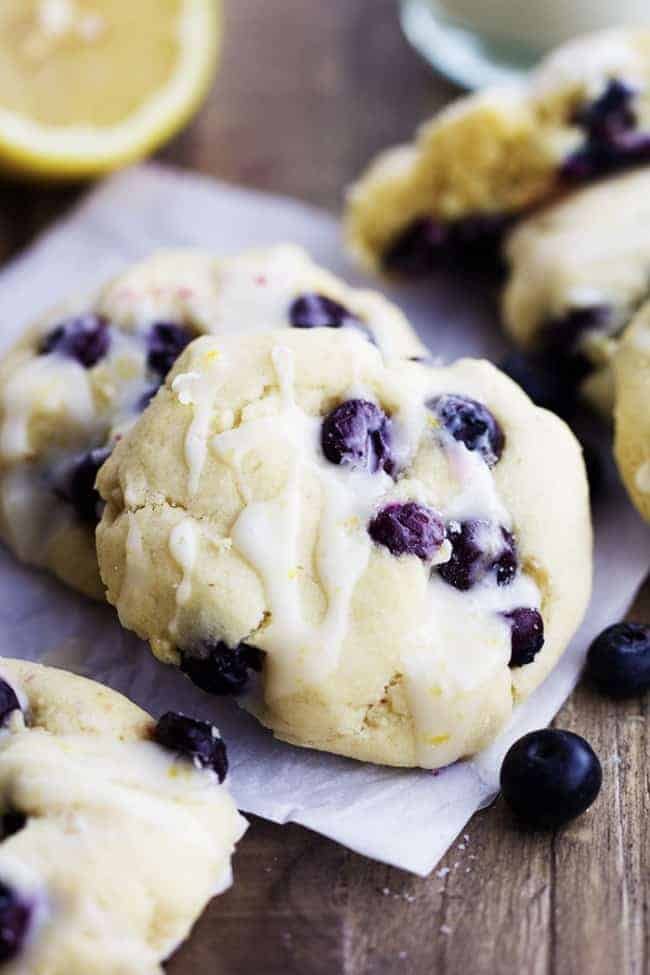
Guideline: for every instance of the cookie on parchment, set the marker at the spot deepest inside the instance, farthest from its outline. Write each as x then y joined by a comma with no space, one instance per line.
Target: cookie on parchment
379,557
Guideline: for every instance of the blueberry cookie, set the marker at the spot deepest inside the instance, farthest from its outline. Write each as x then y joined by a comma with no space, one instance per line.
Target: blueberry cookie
378,558
449,195
579,269
80,378
115,829
632,412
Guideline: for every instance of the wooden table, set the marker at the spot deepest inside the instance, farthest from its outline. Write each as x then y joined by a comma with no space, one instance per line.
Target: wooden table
307,92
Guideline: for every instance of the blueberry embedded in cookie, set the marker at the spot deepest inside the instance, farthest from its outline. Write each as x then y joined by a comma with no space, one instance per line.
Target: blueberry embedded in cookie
197,740
449,197
76,383
479,548
408,528
16,914
357,434
86,339
577,275
359,583
76,896
471,423
612,137
220,669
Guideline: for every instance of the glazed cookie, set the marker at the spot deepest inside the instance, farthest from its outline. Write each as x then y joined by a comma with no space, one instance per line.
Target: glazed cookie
372,542
579,269
80,378
632,413
116,831
489,157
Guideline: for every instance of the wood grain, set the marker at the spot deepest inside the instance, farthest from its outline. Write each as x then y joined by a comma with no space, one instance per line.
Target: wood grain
307,93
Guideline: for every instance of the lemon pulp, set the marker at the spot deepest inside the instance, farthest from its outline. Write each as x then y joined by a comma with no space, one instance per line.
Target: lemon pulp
86,85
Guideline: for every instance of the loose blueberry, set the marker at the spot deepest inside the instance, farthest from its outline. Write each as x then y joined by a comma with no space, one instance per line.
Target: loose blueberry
15,917
408,529
221,669
196,740
86,339
11,822
8,701
471,423
549,777
357,434
76,485
479,548
527,635
618,661
166,342
543,380
471,243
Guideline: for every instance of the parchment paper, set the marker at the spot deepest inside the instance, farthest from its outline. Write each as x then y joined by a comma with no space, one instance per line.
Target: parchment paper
406,818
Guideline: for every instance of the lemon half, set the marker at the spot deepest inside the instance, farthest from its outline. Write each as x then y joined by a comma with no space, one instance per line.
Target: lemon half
89,85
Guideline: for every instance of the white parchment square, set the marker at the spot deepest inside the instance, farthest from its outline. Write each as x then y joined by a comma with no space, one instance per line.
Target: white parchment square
406,818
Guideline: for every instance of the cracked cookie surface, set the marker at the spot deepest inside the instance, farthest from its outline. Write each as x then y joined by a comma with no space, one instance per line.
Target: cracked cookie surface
361,550
114,836
76,382
480,163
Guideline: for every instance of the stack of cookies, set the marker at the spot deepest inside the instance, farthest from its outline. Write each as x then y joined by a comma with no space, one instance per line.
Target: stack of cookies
288,498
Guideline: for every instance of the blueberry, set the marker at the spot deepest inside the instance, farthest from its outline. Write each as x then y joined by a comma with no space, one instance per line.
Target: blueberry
618,661
478,549
408,529
612,141
196,740
472,242
11,822
8,701
166,342
548,777
470,423
221,669
611,112
357,434
527,635
561,336
86,339
15,917
417,249
319,311
541,378
76,484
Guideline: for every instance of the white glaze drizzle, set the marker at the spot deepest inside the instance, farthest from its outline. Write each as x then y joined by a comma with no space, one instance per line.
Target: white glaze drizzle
148,794
267,535
136,571
192,391
184,548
